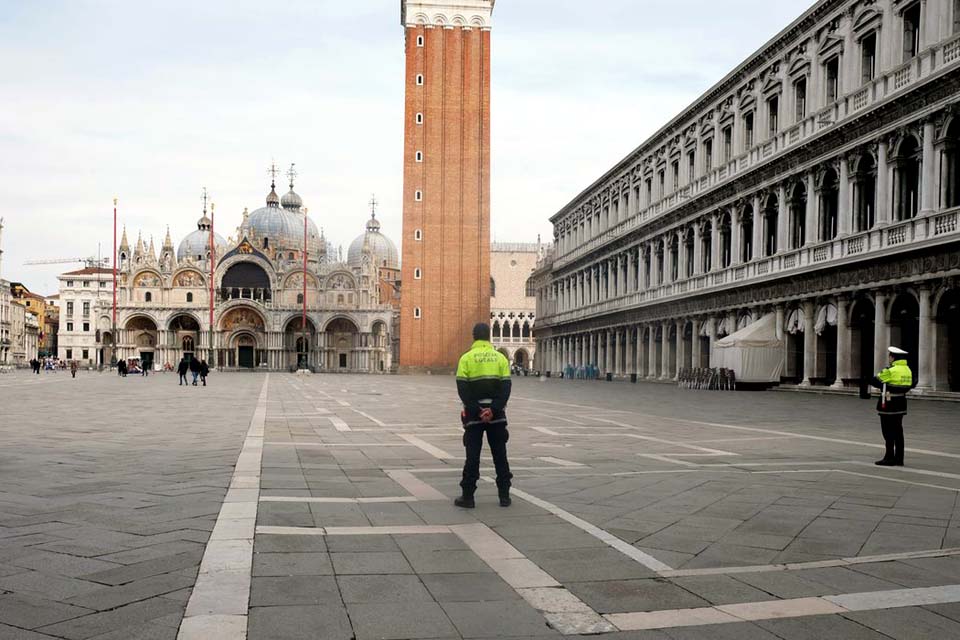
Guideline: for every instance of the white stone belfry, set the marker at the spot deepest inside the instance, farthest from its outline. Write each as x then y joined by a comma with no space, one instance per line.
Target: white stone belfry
443,13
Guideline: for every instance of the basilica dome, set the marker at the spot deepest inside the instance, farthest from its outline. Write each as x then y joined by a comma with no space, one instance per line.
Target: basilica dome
281,227
383,249
197,243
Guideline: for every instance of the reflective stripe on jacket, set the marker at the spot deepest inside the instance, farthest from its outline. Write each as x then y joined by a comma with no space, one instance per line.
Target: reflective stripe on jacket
483,380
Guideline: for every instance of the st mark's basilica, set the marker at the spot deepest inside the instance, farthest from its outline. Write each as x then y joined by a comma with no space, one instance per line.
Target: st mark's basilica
163,298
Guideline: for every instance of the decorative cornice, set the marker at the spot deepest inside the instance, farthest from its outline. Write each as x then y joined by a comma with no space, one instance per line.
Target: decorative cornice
447,13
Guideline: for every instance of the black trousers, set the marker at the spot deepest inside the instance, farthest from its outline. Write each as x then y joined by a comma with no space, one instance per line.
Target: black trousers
892,428
497,437
183,378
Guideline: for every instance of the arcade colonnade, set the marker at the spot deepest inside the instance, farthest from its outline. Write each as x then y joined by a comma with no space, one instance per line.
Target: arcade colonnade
830,340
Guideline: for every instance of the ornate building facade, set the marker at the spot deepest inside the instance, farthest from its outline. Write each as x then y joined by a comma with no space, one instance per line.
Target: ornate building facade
818,181
513,300
260,283
446,179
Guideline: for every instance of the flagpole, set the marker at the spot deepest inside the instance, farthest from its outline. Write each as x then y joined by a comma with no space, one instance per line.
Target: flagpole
213,258
303,320
113,335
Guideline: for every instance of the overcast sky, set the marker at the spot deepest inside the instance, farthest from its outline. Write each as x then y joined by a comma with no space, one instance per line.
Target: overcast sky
151,101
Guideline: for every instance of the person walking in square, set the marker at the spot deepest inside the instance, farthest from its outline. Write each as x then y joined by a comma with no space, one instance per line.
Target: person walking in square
483,384
73,368
194,369
204,371
894,383
182,369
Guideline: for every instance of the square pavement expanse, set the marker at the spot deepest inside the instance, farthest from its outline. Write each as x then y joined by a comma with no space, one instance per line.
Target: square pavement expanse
283,507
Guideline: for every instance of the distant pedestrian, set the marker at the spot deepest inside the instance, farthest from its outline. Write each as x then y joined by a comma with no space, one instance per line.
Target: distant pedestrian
483,384
194,370
182,369
145,368
204,371
894,382
122,368
73,368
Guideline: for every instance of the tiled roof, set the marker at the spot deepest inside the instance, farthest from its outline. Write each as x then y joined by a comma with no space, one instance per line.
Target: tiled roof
89,271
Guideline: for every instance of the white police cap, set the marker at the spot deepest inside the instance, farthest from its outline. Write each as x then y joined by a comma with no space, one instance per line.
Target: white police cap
897,351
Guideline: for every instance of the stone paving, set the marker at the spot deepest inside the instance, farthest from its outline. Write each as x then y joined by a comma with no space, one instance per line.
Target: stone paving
275,507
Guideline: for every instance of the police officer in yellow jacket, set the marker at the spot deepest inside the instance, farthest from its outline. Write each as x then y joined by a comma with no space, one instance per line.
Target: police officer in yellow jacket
483,383
894,382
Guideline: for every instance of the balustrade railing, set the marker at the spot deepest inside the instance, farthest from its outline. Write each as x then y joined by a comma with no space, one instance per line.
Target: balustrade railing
929,61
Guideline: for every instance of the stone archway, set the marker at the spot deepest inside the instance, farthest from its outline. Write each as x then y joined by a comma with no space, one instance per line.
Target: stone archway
183,338
905,327
521,358
340,340
862,333
947,363
299,345
141,342
244,331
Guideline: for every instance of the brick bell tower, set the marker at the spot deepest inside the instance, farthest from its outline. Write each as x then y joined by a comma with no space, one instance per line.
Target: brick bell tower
446,180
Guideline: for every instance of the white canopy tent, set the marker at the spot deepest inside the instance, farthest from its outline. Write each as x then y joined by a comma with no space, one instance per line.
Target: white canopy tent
754,353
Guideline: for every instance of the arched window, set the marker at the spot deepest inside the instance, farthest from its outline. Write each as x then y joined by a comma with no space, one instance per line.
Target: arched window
829,204
189,297
746,234
906,180
188,344
864,193
530,291
516,329
496,329
706,248
726,241
688,250
266,243
299,298
493,288
771,222
798,216
148,297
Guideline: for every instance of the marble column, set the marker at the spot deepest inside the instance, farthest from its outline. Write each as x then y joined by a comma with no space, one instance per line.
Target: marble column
639,355
926,357
757,229
608,359
697,250
681,349
714,242
928,181
810,221
883,188
629,283
844,206
881,331
652,352
665,352
783,219
735,231
695,345
843,343
809,343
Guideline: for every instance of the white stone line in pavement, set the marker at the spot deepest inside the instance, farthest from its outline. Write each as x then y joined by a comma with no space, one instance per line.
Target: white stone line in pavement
718,425
817,564
717,452
560,461
565,611
368,417
922,472
415,486
217,608
664,458
436,452
627,549
339,423
308,499
862,475
338,444
790,608
389,530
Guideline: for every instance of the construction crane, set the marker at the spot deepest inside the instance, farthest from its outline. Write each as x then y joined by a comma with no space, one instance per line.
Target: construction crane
87,262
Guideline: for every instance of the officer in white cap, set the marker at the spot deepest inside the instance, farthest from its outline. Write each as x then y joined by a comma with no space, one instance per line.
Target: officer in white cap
894,382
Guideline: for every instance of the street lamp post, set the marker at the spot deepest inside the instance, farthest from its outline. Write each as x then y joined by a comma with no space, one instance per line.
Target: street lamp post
113,331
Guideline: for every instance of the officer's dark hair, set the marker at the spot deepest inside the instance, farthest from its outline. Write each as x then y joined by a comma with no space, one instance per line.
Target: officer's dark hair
481,331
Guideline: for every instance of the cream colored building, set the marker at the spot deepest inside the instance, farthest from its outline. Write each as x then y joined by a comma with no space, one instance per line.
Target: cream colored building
6,330
818,182
260,287
513,301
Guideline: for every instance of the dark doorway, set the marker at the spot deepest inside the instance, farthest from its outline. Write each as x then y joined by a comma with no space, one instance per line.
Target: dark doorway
827,352
794,358
245,357
343,361
905,327
146,359
948,340
861,339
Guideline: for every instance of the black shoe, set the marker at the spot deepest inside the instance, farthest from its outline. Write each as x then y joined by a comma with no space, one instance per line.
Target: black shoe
898,463
505,500
465,502
884,463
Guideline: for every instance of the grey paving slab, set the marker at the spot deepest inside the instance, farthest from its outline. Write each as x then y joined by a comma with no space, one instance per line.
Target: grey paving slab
292,564
395,621
819,627
30,612
370,562
497,619
622,596
267,543
911,623
299,623
108,621
293,590
382,588
721,589
468,587
602,563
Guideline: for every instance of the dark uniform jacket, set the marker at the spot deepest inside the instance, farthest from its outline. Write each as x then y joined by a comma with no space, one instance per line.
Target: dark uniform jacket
899,380
483,381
